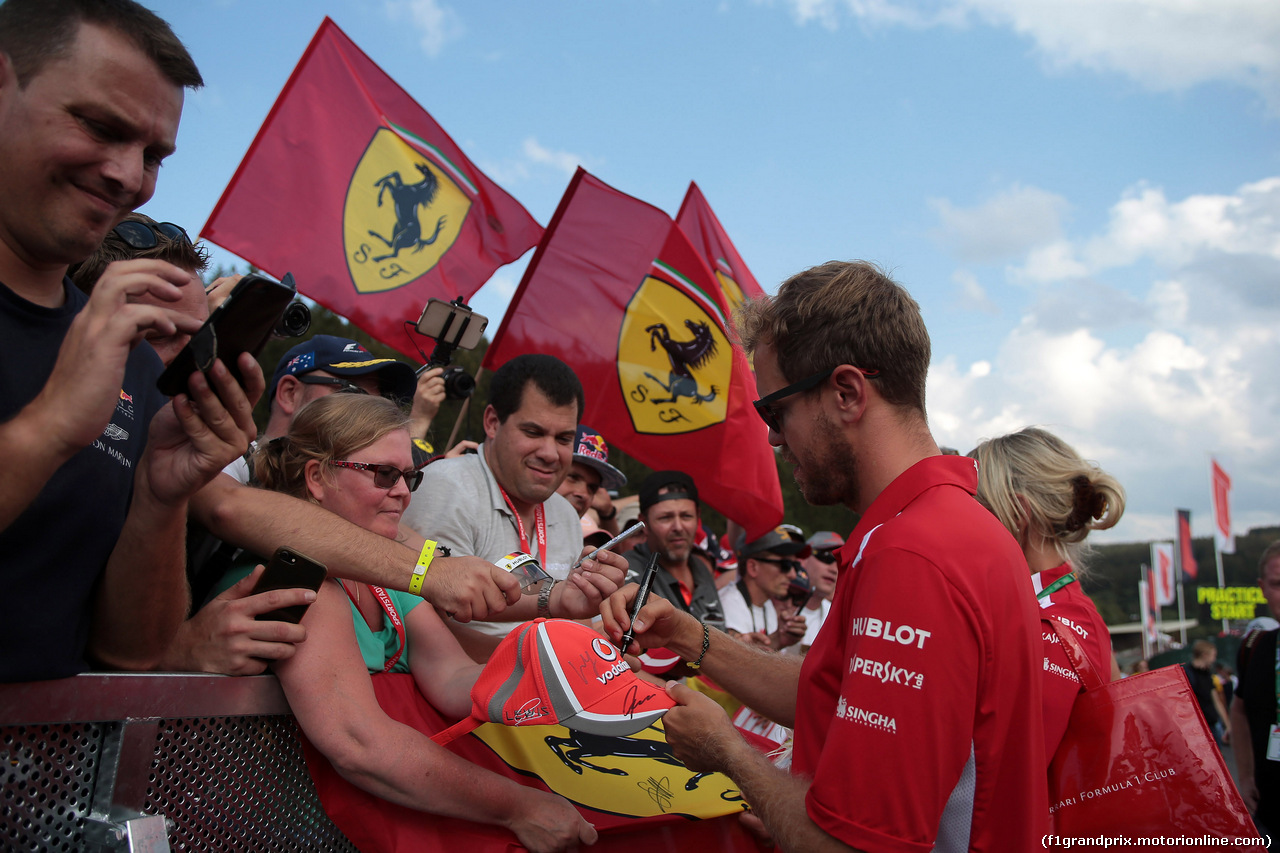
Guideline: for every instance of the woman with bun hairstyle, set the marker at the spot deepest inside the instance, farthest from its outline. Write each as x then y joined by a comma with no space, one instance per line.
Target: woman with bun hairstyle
1050,499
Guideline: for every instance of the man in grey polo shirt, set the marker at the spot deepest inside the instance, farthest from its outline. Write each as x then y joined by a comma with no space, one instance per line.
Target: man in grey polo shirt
502,499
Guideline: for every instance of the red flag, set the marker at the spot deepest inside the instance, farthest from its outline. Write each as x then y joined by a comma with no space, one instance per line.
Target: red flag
1221,508
700,224
351,186
1162,571
616,291
1186,560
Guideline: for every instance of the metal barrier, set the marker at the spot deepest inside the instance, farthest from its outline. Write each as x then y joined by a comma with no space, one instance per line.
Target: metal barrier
156,762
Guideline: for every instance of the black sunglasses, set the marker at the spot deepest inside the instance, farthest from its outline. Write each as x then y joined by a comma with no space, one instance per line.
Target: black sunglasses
343,386
827,557
143,235
787,566
769,411
385,476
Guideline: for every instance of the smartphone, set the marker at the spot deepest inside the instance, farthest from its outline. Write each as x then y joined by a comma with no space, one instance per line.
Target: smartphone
452,323
289,570
242,323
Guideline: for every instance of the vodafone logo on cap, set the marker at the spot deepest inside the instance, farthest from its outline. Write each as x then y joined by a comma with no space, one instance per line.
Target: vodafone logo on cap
604,649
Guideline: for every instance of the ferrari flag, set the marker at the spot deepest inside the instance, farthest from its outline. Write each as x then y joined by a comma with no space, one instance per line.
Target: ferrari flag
616,290
353,187
699,223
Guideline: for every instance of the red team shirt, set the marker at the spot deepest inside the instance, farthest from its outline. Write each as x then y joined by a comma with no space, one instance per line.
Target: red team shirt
918,716
1076,613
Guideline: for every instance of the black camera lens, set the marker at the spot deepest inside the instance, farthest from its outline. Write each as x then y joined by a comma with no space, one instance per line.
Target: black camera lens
294,322
458,384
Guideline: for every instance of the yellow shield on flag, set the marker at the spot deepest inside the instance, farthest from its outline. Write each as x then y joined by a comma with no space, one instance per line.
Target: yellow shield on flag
402,213
733,294
635,776
674,362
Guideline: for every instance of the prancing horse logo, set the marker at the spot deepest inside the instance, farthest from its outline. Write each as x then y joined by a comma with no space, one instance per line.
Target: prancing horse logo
683,355
407,198
403,212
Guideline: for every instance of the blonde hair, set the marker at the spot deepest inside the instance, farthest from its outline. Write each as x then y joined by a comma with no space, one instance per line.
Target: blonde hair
327,429
843,313
1065,496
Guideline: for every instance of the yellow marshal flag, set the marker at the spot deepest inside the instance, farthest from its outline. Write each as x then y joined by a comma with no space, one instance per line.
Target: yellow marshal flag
402,213
674,362
636,776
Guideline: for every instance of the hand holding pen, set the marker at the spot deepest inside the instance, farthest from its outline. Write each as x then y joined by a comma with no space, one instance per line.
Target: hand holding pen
642,596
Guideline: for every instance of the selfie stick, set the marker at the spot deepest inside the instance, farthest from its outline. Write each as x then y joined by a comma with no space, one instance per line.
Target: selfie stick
646,581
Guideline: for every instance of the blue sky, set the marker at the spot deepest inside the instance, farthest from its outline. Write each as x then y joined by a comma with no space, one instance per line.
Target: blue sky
1083,195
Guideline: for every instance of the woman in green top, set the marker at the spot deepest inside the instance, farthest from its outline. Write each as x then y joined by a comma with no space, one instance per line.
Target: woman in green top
351,454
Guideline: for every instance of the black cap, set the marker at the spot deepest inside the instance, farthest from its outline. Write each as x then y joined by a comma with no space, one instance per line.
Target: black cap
681,483
784,540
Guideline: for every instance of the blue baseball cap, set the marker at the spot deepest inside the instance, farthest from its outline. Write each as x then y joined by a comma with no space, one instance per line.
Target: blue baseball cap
345,357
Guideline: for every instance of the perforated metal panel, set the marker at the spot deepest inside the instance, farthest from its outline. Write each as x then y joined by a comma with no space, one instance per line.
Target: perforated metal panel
46,784
238,783
223,784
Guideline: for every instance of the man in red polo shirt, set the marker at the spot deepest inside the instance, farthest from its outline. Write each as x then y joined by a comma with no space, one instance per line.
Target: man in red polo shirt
916,711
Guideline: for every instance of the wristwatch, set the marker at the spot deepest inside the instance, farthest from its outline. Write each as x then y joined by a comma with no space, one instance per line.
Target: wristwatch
544,598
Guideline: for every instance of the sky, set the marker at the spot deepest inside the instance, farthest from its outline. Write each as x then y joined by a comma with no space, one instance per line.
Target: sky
1082,195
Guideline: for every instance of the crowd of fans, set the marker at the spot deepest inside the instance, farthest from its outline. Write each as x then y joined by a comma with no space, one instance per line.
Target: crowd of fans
936,599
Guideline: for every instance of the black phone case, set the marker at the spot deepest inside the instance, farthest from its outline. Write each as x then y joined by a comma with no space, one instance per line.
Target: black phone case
289,570
242,323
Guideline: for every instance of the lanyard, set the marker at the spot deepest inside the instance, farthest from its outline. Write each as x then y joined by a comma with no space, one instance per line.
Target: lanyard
385,600
1068,578
1277,679
540,528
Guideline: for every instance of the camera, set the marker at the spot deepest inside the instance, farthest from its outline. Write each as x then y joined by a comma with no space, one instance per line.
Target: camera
799,589
453,325
294,322
458,384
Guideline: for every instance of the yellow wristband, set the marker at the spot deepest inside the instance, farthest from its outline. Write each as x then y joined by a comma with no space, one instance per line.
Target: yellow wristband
424,562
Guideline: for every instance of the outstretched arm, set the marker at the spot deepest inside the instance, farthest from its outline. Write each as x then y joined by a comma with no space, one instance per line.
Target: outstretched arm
330,692
261,521
765,681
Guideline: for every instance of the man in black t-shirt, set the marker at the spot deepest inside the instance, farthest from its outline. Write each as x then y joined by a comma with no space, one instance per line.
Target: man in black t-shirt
91,523
1254,715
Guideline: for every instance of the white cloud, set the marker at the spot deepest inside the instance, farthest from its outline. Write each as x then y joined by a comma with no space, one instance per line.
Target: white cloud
972,294
1145,345
438,24
562,161
534,158
1003,226
1164,45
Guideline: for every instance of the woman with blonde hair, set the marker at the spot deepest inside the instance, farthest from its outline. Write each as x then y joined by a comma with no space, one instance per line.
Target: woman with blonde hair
350,453
1050,499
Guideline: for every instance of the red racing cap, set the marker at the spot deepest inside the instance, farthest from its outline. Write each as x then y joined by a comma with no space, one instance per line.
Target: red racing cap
557,671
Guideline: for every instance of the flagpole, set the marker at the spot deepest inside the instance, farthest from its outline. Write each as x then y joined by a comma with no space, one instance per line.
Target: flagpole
1182,613
1217,557
1143,615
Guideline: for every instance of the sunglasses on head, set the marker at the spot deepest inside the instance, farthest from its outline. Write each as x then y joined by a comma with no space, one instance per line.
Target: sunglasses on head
343,386
771,413
143,235
384,476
